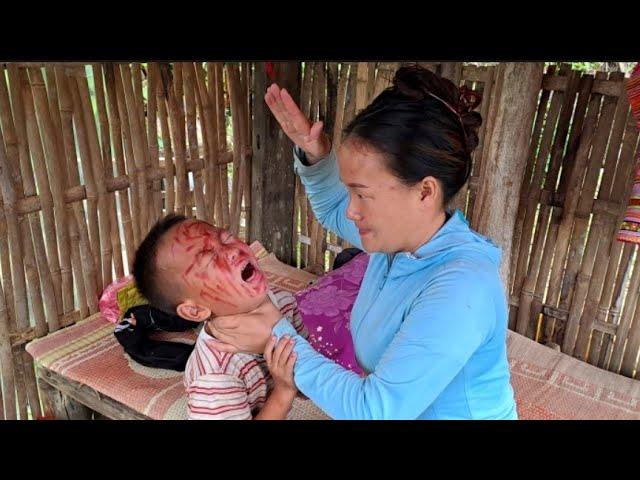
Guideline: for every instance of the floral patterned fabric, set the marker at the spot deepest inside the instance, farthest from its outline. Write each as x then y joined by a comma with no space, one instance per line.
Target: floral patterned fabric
326,312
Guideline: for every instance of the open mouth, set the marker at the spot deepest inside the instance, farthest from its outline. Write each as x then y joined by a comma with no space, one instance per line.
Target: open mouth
248,272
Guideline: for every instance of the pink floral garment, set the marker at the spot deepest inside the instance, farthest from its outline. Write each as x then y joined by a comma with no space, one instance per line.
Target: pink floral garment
326,311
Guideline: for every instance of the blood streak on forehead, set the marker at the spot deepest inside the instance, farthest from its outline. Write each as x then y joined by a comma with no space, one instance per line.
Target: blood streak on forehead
195,235
194,231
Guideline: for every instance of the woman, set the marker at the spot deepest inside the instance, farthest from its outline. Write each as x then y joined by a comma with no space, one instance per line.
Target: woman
429,323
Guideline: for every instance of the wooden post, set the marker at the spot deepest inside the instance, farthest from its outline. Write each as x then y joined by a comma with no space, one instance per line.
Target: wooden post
61,407
272,176
507,155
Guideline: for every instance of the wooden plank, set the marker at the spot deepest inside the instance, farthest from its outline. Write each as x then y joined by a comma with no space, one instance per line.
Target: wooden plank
89,397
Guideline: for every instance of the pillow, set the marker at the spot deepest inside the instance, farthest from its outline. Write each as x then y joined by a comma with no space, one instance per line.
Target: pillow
119,297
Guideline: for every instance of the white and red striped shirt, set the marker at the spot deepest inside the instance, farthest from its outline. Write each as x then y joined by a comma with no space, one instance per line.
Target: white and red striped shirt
232,386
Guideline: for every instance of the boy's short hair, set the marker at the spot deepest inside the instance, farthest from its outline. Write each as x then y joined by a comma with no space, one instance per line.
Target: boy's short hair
161,294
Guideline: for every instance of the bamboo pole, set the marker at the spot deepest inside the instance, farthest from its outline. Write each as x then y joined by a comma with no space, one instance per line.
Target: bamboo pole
628,149
17,156
320,85
574,165
624,328
330,119
115,251
54,168
213,174
300,196
209,122
222,141
520,247
192,134
178,84
384,77
575,289
20,311
233,88
547,325
14,386
362,87
138,143
540,193
5,266
630,357
186,67
177,133
114,229
627,256
524,325
340,105
96,164
305,93
533,197
246,88
610,208
162,93
8,382
314,114
128,155
89,180
52,299
87,275
21,383
605,310
68,297
136,77
246,136
181,141
74,237
31,383
615,306
152,136
239,148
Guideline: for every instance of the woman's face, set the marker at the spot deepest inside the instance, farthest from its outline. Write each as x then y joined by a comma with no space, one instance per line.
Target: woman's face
388,213
213,269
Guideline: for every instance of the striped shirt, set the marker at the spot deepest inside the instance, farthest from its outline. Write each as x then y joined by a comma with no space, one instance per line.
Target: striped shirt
232,386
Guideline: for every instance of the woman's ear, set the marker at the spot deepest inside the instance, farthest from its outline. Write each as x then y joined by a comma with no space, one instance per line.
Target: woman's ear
192,311
430,191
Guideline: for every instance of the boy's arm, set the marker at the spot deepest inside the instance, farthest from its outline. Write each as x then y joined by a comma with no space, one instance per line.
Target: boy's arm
224,397
218,397
276,407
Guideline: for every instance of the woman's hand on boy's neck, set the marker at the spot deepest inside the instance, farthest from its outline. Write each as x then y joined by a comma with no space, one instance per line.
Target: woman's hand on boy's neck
245,332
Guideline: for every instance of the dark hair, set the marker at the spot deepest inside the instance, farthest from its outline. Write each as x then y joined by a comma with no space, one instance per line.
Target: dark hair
424,125
145,269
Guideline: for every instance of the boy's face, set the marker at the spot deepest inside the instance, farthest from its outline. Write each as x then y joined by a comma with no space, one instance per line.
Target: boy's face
217,273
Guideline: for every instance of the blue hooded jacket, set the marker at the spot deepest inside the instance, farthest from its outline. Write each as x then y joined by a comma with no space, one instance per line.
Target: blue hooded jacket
429,327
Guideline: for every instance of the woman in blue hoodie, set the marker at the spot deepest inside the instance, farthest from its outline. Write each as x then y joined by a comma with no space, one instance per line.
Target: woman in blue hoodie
429,324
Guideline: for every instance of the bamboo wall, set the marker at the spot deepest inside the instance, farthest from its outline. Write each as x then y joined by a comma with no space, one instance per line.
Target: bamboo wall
574,286
90,157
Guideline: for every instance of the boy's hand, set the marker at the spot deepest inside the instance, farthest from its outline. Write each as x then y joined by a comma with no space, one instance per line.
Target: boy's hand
280,360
